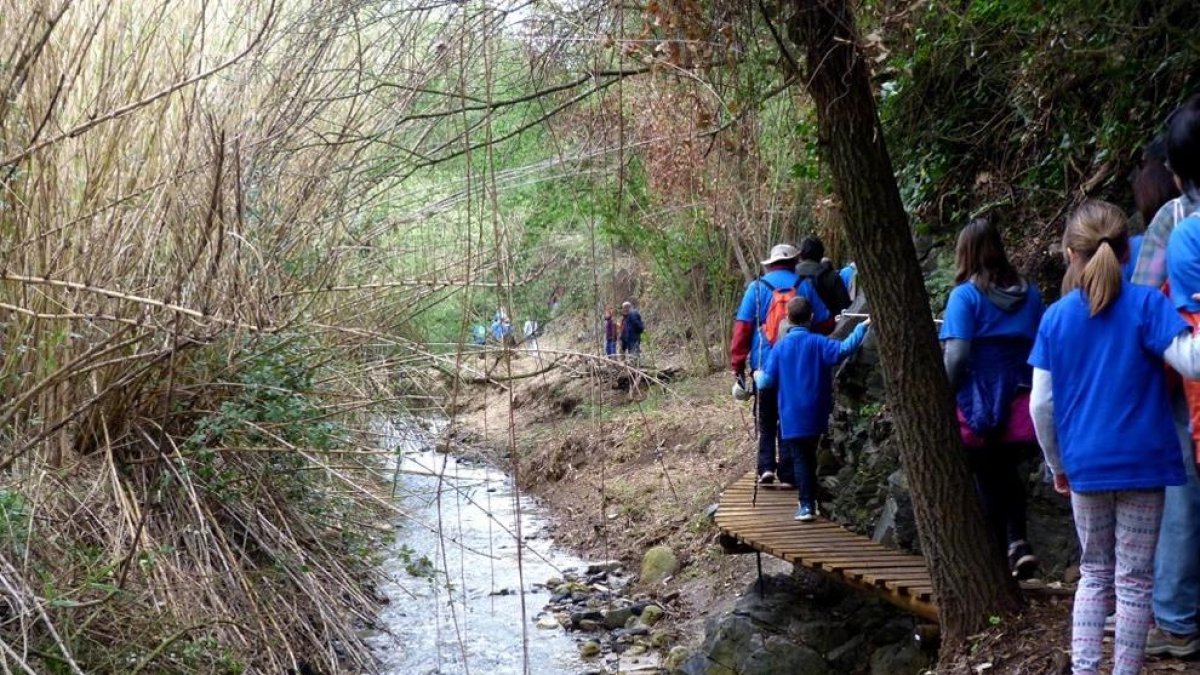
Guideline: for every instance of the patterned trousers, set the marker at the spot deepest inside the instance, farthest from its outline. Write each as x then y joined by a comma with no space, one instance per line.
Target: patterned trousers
1118,532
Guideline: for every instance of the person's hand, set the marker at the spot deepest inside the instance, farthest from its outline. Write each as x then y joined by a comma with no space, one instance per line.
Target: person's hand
740,393
1061,485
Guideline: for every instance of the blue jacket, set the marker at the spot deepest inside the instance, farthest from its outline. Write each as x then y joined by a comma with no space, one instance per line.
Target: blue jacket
800,366
632,327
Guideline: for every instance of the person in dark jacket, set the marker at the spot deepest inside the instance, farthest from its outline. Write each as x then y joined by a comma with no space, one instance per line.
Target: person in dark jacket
990,324
631,330
825,279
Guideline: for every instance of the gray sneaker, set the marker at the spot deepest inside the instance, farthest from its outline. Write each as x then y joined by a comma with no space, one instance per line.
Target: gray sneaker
1160,642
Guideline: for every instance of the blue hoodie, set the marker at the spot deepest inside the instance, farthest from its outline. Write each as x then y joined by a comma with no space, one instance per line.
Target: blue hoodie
800,366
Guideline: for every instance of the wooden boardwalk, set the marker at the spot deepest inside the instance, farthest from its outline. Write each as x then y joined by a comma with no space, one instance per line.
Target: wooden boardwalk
767,526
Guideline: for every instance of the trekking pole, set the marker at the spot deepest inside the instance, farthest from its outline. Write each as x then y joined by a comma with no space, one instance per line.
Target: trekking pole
757,434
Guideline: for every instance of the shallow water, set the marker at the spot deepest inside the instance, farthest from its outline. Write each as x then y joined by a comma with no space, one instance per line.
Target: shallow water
462,612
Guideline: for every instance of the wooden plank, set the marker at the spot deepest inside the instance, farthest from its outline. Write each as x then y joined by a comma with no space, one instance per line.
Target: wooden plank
761,520
835,563
837,549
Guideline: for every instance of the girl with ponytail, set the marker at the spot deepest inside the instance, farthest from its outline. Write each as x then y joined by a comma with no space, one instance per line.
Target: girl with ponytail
1102,415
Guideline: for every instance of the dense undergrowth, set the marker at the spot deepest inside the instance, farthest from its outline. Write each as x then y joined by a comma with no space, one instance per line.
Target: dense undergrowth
1019,110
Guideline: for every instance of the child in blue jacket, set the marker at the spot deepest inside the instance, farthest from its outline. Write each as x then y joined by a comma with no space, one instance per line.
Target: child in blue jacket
800,367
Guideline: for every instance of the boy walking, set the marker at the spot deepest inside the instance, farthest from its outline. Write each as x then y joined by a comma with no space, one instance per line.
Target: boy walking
800,369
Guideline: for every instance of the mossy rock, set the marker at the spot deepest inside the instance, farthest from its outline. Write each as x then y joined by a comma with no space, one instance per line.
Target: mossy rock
658,564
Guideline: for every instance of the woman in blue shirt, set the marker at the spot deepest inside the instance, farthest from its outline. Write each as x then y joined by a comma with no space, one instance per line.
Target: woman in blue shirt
1103,417
990,322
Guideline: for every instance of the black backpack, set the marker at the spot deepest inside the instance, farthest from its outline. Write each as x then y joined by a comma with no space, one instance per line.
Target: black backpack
829,287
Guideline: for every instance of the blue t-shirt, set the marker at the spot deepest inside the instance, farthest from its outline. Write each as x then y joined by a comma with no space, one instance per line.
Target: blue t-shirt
1183,264
847,274
756,302
1001,338
800,369
970,315
1135,250
1112,412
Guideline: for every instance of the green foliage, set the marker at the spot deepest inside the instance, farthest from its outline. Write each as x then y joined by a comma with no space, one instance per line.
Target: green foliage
274,399
415,565
940,282
1012,104
14,520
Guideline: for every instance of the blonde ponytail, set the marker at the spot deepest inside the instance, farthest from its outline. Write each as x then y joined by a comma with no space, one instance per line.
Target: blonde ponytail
1098,235
1101,278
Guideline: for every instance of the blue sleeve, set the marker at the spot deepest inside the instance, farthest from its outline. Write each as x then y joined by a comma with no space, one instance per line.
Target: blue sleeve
958,323
1161,324
769,375
820,311
852,342
1039,356
748,310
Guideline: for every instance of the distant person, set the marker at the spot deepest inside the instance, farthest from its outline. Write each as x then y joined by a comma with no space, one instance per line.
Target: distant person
506,333
799,373
478,334
988,330
1177,562
530,332
1151,268
610,333
1153,187
849,275
632,328
1103,416
760,322
825,280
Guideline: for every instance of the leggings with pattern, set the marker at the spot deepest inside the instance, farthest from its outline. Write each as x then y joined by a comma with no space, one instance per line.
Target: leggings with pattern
1117,535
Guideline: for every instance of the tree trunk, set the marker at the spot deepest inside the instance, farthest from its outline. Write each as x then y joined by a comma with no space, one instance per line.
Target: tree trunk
969,583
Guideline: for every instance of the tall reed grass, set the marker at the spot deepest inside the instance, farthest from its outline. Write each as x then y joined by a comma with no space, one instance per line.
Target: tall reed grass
195,330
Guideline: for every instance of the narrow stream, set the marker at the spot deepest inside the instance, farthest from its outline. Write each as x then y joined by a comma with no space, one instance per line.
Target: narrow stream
455,599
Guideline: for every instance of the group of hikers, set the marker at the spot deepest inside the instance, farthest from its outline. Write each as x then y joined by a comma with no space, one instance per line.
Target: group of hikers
501,332
623,337
1106,381
779,335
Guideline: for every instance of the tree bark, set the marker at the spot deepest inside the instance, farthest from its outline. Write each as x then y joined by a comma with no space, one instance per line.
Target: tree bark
969,583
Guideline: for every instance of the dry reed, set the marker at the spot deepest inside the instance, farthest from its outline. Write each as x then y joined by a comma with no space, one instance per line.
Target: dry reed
191,319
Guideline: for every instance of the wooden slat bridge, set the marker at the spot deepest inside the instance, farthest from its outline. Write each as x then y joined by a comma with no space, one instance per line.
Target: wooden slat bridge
767,526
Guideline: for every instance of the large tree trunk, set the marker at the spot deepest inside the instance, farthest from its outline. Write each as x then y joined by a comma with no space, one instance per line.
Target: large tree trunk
969,583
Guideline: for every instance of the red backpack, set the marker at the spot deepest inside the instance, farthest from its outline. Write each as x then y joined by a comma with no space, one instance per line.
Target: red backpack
776,324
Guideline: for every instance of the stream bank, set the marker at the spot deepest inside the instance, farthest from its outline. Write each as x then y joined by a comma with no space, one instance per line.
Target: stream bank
467,563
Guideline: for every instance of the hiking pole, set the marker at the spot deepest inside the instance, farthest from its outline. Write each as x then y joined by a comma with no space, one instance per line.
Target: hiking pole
757,439
762,587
